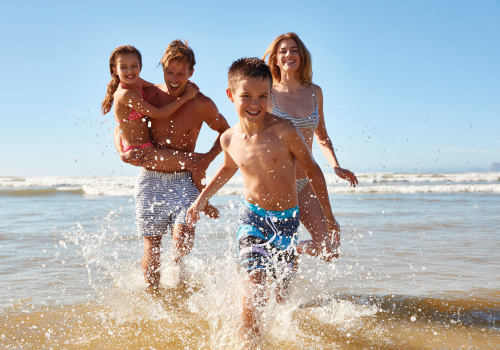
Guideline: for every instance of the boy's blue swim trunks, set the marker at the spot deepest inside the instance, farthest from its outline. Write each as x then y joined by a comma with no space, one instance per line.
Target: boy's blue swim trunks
267,239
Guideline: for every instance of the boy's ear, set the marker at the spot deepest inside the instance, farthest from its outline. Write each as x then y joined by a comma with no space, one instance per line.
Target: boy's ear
229,94
191,74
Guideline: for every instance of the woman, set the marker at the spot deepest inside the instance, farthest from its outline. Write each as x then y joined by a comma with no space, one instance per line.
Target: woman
296,98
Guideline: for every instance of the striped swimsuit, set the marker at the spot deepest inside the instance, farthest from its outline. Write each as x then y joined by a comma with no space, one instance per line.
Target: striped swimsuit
162,200
308,123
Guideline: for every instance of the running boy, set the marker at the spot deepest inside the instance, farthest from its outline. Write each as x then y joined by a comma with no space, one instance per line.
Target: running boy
264,148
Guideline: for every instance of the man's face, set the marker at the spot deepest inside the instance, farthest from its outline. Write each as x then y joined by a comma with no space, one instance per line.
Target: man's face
176,74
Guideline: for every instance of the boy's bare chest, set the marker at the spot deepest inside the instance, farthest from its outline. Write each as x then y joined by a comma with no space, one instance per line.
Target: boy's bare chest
264,154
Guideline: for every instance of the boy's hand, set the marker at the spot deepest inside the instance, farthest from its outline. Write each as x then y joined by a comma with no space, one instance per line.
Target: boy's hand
346,175
192,215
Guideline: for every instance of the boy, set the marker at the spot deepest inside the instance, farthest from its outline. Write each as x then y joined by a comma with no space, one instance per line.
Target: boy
264,147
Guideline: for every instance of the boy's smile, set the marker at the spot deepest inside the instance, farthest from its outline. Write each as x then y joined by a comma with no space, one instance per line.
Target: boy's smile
251,98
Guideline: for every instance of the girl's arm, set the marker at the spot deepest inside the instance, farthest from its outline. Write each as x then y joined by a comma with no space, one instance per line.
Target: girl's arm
132,100
222,176
325,143
143,83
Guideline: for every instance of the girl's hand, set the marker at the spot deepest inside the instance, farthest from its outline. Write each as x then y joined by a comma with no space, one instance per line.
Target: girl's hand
191,91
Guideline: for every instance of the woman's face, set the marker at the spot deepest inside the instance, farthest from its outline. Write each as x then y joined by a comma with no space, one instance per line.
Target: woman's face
288,56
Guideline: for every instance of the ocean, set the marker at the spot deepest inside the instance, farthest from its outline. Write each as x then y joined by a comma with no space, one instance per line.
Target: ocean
419,269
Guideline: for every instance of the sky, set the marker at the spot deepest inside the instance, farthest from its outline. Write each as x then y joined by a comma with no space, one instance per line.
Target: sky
408,86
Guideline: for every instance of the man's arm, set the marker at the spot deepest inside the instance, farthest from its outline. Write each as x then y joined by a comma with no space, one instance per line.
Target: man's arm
218,123
153,158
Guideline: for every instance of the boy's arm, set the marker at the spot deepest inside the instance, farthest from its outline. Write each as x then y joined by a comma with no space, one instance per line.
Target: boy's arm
222,176
219,124
297,145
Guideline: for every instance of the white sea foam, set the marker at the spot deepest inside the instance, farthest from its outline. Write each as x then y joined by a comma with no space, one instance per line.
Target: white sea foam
368,183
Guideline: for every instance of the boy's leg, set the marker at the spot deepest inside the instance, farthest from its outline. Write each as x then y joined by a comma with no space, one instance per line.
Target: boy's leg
313,219
151,260
252,301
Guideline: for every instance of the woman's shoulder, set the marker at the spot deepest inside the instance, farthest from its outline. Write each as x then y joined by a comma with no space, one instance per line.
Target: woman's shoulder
316,88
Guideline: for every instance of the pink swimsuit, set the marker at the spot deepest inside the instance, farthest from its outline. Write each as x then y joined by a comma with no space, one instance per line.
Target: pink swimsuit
133,116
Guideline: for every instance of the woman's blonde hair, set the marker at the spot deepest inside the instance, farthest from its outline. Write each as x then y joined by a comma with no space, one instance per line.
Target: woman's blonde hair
305,69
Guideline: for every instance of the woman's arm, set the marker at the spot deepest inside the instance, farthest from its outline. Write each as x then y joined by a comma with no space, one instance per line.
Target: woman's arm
325,143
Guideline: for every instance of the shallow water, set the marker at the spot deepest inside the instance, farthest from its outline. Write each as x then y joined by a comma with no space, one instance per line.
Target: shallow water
418,270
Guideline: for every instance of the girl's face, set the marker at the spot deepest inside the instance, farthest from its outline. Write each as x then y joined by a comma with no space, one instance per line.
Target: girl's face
288,56
127,68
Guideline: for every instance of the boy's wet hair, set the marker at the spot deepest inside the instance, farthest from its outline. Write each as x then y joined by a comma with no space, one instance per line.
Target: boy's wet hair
248,68
178,50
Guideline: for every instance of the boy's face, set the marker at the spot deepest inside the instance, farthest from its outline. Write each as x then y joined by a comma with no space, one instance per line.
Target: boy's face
176,74
250,97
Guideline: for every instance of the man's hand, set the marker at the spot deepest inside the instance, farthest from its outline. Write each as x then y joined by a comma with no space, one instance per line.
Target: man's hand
200,164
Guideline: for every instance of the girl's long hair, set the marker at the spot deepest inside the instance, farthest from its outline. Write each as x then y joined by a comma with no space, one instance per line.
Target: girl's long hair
305,69
115,80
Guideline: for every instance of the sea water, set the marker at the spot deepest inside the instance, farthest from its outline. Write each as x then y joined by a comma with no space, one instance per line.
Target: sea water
419,269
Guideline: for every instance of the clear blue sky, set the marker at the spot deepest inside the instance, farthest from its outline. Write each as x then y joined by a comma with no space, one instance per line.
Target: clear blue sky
410,86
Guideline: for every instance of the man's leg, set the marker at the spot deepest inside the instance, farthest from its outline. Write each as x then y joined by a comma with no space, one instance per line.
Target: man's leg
182,242
151,260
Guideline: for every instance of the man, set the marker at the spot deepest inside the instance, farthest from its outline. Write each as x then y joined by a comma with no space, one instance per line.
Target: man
163,198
